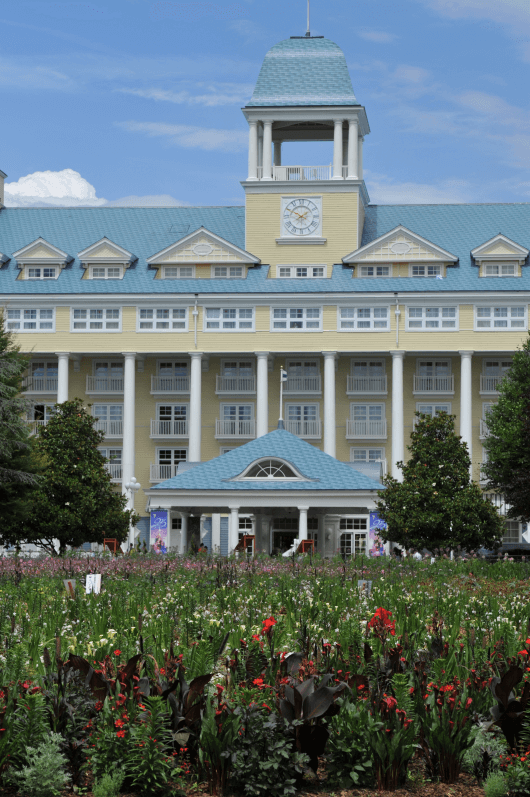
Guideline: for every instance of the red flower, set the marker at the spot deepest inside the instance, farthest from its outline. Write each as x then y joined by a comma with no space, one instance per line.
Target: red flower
268,625
120,734
99,705
468,702
117,652
258,682
162,671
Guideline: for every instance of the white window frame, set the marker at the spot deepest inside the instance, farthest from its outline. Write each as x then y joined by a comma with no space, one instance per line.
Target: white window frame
238,360
20,330
88,320
302,404
172,404
503,306
374,269
367,450
500,269
433,405
304,361
179,275
499,360
41,269
436,270
49,410
220,320
505,536
108,419
172,449
103,451
368,404
287,320
447,324
106,269
435,361
171,321
372,320
294,271
230,272
226,449
224,404
172,360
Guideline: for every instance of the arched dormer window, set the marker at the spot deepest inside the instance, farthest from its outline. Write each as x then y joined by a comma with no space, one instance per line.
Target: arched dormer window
271,468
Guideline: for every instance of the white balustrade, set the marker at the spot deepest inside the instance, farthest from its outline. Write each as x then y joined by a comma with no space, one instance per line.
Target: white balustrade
40,384
104,384
302,173
115,470
235,384
170,384
305,428
366,384
484,431
434,384
34,426
169,428
369,430
235,427
159,472
110,428
490,384
302,384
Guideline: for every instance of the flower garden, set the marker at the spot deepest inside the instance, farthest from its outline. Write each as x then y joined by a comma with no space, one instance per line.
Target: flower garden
264,677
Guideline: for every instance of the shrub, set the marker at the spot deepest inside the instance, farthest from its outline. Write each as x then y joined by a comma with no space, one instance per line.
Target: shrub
109,785
482,758
44,773
495,785
149,754
349,757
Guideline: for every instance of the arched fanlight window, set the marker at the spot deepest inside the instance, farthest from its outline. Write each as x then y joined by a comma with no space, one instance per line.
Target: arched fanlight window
271,469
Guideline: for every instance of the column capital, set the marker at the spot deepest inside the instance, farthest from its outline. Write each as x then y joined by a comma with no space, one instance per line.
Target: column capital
233,508
338,120
62,354
303,508
330,355
466,353
129,355
253,122
195,355
263,354
267,123
398,354
183,514
353,122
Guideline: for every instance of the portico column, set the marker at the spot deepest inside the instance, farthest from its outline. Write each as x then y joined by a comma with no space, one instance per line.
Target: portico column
262,393
302,522
329,403
184,532
277,153
353,149
62,376
360,158
398,432
195,421
337,150
253,151
466,429
129,424
267,150
233,529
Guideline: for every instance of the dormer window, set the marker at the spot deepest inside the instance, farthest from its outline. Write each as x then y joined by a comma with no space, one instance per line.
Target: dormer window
374,271
301,272
426,271
499,270
227,272
105,272
271,469
105,260
178,272
41,260
32,273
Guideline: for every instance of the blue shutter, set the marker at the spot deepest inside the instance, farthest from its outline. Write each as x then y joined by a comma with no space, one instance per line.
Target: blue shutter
207,533
224,536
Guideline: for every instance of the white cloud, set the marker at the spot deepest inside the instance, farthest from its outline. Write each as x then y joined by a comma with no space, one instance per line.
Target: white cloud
377,36
151,201
65,189
384,190
218,94
188,136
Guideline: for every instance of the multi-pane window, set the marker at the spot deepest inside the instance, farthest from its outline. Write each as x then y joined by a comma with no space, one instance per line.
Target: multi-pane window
167,460
172,412
234,319
178,272
363,318
512,531
300,318
367,454
433,409
170,318
37,320
105,272
432,317
109,418
294,272
353,538
237,420
496,368
40,273
226,449
374,271
41,413
114,464
227,272
237,369
367,420
426,271
499,270
303,420
501,317
102,320
108,375
43,376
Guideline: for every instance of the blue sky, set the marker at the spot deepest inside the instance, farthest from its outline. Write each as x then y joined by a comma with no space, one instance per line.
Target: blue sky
135,101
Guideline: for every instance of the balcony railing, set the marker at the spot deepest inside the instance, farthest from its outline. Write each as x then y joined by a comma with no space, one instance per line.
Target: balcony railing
115,470
34,426
307,429
490,384
375,385
297,385
170,384
167,429
40,384
103,384
434,384
235,428
110,428
484,431
235,384
161,472
370,430
291,173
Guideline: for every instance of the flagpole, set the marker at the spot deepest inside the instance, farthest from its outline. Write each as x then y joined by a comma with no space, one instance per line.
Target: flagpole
281,424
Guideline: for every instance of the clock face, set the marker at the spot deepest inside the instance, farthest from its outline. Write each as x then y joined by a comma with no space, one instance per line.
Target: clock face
301,217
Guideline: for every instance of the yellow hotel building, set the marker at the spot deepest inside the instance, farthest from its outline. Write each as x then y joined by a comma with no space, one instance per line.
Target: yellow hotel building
173,324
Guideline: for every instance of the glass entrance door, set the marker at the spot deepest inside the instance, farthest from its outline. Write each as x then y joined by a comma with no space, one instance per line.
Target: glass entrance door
284,533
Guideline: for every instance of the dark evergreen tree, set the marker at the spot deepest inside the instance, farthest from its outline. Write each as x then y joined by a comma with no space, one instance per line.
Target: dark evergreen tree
508,443
437,505
75,501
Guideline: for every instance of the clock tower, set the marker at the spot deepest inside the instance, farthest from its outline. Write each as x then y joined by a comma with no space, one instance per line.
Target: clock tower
300,213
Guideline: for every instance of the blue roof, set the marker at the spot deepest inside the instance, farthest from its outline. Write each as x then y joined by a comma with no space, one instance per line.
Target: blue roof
323,471
304,71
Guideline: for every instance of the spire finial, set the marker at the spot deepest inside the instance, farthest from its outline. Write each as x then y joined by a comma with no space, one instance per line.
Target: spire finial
308,33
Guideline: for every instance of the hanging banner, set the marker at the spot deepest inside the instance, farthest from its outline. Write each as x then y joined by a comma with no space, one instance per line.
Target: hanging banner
159,531
376,546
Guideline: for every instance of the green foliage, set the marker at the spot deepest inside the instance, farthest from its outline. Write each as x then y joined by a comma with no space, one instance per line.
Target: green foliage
482,758
263,761
496,785
447,731
149,754
109,784
29,727
349,755
44,773
76,501
218,734
401,686
508,441
437,505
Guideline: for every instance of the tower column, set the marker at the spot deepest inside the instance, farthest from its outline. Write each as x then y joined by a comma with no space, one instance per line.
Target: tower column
329,403
262,394
353,149
337,150
466,429
267,150
253,151
360,141
277,153
398,432
302,522
195,421
62,376
233,532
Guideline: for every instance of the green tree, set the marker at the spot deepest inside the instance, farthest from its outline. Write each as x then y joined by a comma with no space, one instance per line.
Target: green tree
508,442
75,502
437,505
18,466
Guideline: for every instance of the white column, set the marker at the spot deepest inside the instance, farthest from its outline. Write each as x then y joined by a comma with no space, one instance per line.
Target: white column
216,533
195,421
260,149
184,532
466,430
262,393
267,150
128,423
233,534
353,149
253,151
337,150
329,403
277,153
360,158
398,432
302,522
62,376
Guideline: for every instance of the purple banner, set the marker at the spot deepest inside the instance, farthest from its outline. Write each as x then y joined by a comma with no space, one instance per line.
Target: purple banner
159,531
375,544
